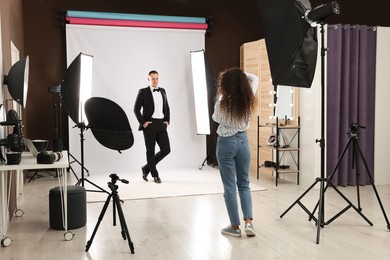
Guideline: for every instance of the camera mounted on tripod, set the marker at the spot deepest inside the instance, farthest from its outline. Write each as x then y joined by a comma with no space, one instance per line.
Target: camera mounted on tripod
354,129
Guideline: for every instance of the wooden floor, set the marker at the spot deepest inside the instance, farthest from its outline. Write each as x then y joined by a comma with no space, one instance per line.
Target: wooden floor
189,227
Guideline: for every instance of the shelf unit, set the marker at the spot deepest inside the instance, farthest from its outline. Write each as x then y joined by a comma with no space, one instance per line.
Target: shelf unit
285,149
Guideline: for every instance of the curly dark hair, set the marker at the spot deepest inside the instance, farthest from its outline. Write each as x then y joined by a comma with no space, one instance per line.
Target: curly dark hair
237,96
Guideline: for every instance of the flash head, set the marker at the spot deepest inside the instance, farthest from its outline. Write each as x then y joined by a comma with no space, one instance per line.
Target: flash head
322,12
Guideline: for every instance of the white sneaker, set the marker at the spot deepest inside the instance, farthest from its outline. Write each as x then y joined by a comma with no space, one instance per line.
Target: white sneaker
250,230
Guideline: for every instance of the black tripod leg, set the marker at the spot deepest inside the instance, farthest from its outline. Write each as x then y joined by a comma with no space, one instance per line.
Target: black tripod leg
98,223
334,171
121,222
297,201
208,154
320,220
75,175
125,230
356,167
373,185
100,188
33,176
79,163
350,205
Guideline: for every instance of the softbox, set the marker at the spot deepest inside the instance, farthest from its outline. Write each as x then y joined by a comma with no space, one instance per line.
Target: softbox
204,90
291,42
108,123
77,85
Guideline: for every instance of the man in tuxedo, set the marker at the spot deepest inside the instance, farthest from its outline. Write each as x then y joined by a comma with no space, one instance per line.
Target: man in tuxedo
153,121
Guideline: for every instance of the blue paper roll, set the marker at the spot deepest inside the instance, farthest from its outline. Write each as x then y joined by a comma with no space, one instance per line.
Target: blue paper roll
135,17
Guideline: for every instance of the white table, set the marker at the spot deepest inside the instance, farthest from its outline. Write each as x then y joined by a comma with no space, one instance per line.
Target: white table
29,162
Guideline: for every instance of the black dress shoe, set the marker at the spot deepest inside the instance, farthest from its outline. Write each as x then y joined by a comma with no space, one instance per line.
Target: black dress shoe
157,179
144,174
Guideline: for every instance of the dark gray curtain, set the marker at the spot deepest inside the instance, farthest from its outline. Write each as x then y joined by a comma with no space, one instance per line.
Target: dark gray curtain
351,58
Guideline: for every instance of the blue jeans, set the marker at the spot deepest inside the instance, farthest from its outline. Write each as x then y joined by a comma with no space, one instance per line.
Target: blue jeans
233,155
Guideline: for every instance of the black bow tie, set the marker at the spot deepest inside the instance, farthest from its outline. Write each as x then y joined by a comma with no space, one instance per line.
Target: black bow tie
156,89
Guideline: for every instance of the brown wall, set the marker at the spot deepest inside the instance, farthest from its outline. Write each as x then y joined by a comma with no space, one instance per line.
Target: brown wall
11,29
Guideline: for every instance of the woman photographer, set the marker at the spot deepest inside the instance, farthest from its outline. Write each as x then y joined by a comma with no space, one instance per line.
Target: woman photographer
232,111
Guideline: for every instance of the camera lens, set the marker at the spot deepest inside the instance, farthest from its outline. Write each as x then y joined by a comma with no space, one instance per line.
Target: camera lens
57,156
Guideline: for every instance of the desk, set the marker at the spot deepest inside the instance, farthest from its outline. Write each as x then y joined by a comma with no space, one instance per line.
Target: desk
29,162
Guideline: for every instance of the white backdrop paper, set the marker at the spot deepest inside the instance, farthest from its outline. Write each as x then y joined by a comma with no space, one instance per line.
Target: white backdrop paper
122,59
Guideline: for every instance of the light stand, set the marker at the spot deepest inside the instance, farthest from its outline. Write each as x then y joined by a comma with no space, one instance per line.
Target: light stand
17,83
81,180
293,64
116,206
321,180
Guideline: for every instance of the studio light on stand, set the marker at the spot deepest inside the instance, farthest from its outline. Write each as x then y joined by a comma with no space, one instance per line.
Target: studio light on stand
17,82
203,81
75,90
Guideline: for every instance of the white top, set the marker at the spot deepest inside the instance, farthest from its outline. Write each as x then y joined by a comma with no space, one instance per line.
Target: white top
158,104
226,127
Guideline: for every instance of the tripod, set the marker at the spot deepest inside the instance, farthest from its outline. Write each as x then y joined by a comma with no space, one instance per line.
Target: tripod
354,140
114,195
81,181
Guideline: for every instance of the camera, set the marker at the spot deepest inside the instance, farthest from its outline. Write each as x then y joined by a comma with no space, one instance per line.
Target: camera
48,157
14,141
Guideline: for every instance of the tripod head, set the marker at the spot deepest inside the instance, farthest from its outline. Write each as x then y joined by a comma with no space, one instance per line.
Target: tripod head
354,129
114,179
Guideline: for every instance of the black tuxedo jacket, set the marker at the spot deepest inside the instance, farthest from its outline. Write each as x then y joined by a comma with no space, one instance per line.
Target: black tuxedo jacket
145,101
